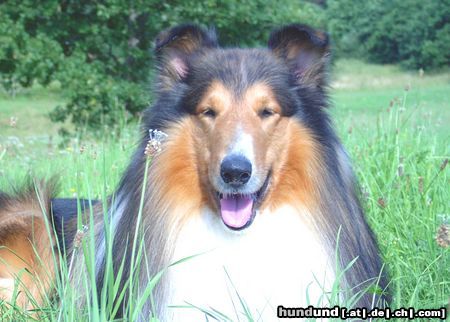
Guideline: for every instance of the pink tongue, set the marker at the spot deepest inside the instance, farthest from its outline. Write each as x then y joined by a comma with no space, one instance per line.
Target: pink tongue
236,210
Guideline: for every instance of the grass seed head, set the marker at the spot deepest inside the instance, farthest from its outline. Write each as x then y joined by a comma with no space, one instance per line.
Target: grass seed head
443,236
154,144
381,202
443,165
421,185
13,121
78,239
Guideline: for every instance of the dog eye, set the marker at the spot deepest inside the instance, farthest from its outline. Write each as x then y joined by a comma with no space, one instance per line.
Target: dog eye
209,112
266,112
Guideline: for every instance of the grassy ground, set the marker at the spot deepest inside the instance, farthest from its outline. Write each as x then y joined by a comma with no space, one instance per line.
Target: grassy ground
363,92
395,125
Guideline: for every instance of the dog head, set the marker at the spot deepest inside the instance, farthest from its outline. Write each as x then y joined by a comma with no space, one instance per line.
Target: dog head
243,106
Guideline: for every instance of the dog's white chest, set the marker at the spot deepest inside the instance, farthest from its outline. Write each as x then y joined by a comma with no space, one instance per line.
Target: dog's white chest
276,261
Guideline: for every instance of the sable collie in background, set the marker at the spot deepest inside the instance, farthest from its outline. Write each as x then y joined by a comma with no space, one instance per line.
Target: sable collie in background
251,176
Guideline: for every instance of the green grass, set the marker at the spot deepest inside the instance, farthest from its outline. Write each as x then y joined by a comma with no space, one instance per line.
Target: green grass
362,92
397,138
30,107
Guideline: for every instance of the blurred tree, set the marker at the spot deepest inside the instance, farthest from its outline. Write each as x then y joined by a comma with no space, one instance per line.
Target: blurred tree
100,51
414,33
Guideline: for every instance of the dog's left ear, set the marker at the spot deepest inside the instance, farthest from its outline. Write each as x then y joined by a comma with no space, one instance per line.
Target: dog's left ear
306,52
175,46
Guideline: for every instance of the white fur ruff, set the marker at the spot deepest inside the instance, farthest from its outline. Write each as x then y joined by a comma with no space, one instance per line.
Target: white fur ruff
278,260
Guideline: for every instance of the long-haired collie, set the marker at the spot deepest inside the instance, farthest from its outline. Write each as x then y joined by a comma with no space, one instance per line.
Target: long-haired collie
247,182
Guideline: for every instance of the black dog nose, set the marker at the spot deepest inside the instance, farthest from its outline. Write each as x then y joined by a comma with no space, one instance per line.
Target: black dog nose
236,170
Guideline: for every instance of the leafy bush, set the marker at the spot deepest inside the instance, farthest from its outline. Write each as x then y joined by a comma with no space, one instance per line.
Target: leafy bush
24,58
100,51
414,33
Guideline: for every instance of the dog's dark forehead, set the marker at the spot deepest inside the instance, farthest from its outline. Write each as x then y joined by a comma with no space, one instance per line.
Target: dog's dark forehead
238,69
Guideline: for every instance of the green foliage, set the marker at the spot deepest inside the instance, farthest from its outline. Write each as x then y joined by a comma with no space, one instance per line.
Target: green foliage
244,22
100,52
25,58
414,33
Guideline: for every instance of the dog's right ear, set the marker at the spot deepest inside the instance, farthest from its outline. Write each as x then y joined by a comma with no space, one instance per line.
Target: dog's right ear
174,47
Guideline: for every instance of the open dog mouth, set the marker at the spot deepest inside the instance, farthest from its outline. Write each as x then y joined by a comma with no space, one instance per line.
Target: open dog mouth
238,210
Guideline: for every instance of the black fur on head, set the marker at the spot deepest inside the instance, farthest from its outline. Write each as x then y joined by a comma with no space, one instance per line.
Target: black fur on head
305,50
175,46
189,57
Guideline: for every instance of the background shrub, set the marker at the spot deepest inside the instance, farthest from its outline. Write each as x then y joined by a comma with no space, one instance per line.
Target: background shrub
100,52
413,33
